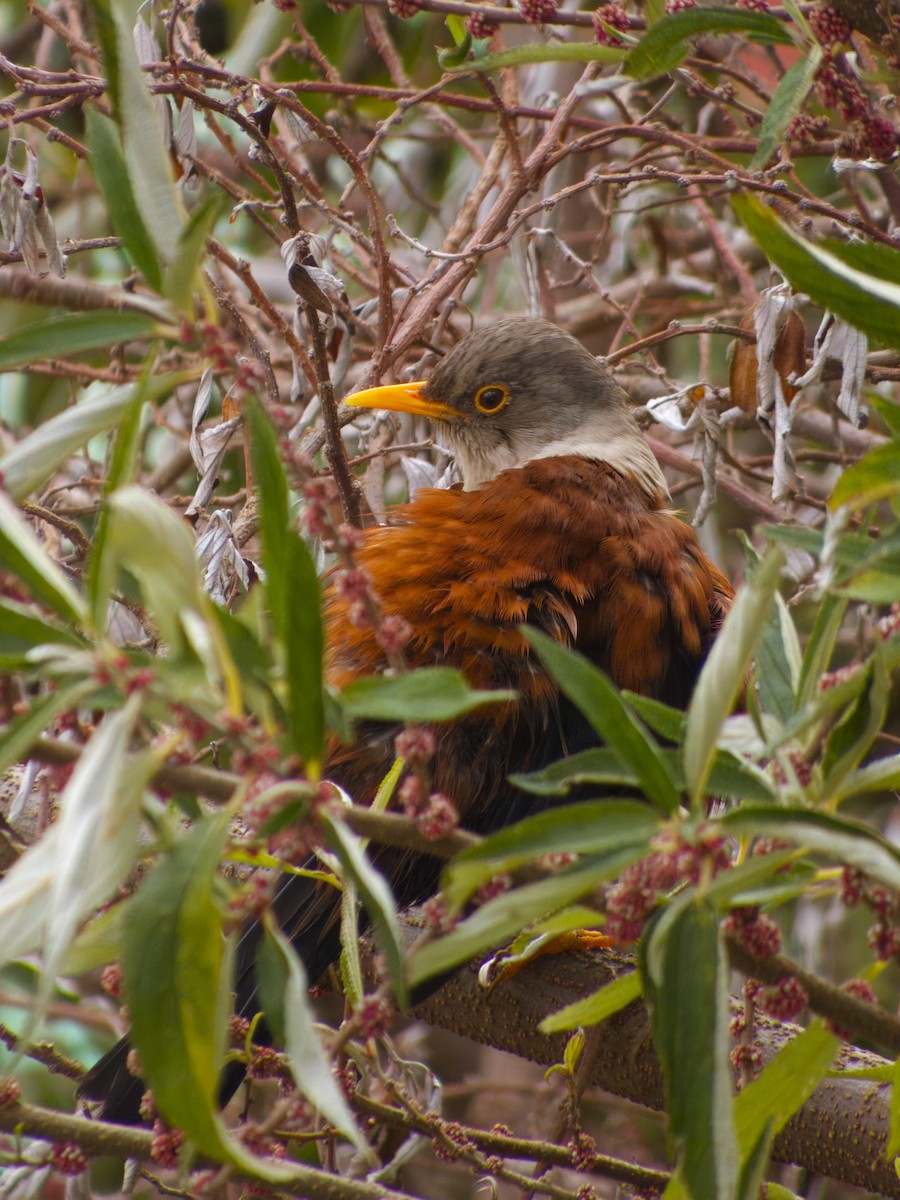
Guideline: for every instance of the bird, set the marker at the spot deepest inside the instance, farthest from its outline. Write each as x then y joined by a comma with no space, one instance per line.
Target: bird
563,523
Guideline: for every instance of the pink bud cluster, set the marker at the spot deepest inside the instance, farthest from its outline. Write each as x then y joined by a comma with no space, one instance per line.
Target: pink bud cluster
436,915
68,1158
754,931
584,1151
862,990
635,895
480,26
785,1000
884,935
536,12
613,15
166,1145
373,1015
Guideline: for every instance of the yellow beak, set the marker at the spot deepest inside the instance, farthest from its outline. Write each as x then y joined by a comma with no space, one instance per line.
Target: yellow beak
401,397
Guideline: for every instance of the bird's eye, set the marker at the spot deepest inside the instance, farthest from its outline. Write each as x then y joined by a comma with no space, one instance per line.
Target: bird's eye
491,399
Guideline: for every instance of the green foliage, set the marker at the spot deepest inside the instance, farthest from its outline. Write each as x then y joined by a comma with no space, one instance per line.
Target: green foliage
179,673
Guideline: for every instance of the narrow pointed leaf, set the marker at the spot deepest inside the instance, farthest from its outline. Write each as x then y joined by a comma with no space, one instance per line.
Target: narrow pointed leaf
74,333
784,1085
665,45
837,838
24,557
787,100
685,972
429,694
863,300
176,965
875,476
147,157
28,466
597,1007
586,828
601,702
724,673
18,737
375,895
100,572
81,861
310,1065
497,922
22,628
293,593
108,165
182,277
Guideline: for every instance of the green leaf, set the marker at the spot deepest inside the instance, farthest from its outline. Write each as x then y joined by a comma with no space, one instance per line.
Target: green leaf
729,775
685,971
182,276
864,301
883,775
784,1085
889,411
22,628
108,165
894,1131
174,965
146,155
598,765
596,1007
35,459
667,722
74,333
724,673
375,895
778,661
20,734
851,738
876,475
665,45
429,694
541,52
100,570
287,993
835,837
787,101
878,260
25,558
177,980
82,859
98,836
820,647
601,702
293,592
585,828
754,1165
501,919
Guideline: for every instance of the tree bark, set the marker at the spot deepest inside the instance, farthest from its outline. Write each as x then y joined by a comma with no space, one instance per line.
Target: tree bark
841,1132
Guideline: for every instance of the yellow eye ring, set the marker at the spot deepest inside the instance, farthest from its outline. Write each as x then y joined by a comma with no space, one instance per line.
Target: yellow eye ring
491,399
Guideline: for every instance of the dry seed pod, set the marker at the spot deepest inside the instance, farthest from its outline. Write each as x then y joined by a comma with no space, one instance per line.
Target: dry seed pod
788,360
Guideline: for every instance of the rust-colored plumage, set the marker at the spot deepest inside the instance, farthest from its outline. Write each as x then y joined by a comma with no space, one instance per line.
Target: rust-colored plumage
562,525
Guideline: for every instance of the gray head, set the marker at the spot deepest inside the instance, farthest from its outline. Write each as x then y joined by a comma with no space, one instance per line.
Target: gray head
523,389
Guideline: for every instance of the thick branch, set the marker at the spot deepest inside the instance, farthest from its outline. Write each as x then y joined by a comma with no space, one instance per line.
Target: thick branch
841,1132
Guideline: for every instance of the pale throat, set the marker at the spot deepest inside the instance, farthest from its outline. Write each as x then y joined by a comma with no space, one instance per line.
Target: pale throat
624,448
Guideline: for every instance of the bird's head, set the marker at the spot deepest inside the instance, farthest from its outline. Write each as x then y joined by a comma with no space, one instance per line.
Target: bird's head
523,389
